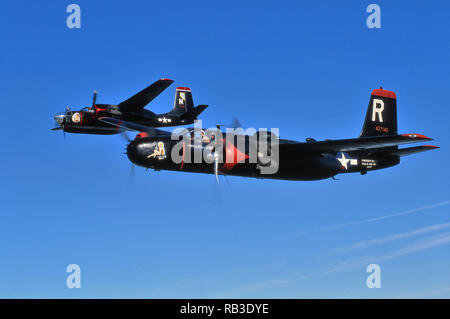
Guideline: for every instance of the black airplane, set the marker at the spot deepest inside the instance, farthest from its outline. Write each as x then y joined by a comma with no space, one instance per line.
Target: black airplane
97,118
377,147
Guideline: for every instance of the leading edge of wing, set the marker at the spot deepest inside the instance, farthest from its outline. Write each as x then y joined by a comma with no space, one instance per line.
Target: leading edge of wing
130,126
354,144
138,101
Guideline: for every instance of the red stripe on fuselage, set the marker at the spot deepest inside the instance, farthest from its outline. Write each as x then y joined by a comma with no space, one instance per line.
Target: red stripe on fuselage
233,156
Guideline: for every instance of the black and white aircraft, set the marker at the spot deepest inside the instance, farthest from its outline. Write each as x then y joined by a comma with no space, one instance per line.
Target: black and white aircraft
377,147
97,118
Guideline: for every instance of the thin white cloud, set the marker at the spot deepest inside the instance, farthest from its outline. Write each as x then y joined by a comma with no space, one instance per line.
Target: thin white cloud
250,288
387,239
371,220
431,242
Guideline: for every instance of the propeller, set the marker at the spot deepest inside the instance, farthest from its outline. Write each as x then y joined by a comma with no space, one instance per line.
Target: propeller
60,121
216,166
235,123
125,136
60,128
217,188
94,98
131,175
216,155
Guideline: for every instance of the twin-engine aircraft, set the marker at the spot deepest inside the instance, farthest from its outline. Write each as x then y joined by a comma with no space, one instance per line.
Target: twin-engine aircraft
97,119
377,147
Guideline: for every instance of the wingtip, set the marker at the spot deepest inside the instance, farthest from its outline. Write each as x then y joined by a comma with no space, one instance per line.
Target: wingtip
166,80
431,146
418,136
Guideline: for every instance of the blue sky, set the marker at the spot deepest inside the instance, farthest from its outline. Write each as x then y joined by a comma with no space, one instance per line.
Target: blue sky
307,68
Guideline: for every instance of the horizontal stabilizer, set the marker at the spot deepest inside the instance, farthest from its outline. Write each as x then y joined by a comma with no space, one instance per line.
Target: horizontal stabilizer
192,114
413,150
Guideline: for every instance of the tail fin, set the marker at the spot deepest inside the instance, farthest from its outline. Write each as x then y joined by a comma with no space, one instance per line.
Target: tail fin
381,116
183,101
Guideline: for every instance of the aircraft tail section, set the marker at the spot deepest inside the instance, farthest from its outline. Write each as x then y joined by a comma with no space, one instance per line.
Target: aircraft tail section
183,101
381,116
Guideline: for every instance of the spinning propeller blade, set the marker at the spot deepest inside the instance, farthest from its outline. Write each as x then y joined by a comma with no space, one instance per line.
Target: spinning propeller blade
216,166
131,175
94,98
236,123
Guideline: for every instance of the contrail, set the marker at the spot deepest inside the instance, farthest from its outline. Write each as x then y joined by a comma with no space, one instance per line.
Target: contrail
406,212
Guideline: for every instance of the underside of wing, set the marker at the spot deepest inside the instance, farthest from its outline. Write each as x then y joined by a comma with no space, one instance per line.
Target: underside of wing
130,126
138,101
353,144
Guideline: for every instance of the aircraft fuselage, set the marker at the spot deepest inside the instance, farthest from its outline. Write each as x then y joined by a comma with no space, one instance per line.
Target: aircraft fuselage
156,153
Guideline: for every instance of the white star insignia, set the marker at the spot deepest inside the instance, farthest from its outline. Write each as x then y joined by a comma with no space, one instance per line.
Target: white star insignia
164,120
344,161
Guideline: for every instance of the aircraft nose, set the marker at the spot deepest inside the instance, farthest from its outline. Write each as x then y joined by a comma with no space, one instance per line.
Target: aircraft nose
59,118
132,152
138,151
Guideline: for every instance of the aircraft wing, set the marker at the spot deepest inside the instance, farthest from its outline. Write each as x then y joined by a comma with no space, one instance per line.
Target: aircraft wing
412,150
130,126
353,144
138,101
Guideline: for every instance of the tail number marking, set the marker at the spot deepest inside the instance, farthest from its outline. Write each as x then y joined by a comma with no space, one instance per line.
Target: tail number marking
181,100
377,109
